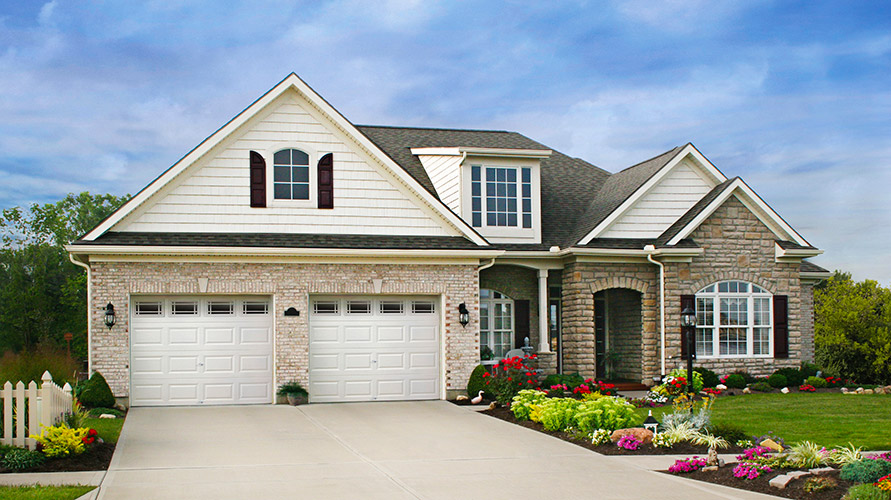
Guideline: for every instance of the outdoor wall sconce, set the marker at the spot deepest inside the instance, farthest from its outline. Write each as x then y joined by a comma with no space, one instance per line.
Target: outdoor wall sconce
688,322
292,312
109,315
463,314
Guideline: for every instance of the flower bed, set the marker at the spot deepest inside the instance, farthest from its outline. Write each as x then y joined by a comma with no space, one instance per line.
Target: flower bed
796,489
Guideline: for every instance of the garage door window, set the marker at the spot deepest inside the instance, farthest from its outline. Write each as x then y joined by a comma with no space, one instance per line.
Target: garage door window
222,308
419,307
256,308
184,308
391,307
325,307
149,309
358,307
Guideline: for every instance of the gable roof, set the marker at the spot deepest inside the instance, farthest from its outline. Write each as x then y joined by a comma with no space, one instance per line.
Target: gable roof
292,81
691,214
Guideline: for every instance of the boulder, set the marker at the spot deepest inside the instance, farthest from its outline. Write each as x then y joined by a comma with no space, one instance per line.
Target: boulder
868,391
770,443
888,389
747,391
645,436
107,415
860,390
880,390
785,390
844,390
721,387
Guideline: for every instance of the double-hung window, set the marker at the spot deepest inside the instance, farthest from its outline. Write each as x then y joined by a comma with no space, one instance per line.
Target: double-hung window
733,319
501,196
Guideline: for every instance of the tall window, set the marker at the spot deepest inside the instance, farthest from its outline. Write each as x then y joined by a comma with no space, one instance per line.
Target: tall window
496,322
733,319
508,196
291,175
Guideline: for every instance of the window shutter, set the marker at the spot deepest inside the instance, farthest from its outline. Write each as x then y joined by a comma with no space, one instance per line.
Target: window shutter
326,181
780,326
258,180
686,301
521,325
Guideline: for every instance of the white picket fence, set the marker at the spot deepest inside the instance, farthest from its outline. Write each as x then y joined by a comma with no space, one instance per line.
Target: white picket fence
33,408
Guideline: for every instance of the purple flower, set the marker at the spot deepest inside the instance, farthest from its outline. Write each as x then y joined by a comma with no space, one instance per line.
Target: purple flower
746,470
629,442
687,465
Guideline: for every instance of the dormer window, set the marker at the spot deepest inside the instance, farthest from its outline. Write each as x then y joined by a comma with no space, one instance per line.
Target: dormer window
290,175
503,199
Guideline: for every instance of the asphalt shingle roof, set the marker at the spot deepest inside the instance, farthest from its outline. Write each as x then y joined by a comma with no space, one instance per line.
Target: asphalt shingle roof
809,267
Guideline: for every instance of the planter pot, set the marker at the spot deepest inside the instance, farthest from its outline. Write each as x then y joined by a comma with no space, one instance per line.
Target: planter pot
297,399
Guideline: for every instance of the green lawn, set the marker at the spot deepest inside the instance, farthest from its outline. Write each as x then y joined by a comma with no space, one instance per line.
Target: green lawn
827,419
43,492
109,429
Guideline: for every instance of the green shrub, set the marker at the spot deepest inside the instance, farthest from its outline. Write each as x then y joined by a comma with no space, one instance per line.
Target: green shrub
509,377
730,432
4,449
817,382
557,414
522,404
605,413
735,381
819,483
794,376
20,459
709,378
571,380
28,366
865,471
777,380
761,387
291,388
866,492
809,370
61,440
96,393
697,378
476,382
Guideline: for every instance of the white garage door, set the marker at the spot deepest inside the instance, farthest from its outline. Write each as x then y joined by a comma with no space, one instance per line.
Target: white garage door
200,350
372,348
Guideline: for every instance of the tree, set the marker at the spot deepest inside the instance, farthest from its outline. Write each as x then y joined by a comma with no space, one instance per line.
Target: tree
42,294
852,328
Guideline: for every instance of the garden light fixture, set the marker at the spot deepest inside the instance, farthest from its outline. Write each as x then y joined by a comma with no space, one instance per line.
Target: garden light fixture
463,314
651,424
109,315
688,322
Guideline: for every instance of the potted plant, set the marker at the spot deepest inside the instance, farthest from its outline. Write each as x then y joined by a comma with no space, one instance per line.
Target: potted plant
295,393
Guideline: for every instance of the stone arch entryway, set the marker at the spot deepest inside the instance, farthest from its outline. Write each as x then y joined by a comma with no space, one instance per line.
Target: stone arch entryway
618,327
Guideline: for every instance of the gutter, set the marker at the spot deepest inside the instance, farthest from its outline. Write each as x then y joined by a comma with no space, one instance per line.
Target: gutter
651,250
89,318
269,251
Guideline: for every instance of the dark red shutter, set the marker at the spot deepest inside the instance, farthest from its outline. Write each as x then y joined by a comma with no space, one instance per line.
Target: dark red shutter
686,301
326,181
258,180
780,326
521,328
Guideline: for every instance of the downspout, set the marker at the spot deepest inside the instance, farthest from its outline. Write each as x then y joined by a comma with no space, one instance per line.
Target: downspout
89,318
486,266
650,249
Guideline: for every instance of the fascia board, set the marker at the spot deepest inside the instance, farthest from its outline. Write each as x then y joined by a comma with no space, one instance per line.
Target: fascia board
687,150
795,253
180,250
677,252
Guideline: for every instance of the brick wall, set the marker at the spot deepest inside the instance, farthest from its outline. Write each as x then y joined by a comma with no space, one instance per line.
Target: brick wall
290,285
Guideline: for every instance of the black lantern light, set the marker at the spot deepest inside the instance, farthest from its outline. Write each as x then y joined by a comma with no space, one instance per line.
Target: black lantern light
651,424
109,315
463,314
688,322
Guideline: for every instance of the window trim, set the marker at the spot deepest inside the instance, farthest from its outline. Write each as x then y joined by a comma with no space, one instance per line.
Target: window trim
715,296
491,301
503,234
312,164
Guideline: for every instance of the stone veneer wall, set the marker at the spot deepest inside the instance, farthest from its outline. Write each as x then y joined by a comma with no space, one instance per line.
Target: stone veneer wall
736,246
624,320
290,285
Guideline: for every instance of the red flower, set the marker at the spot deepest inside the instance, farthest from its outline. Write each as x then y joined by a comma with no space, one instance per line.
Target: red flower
530,381
509,379
487,374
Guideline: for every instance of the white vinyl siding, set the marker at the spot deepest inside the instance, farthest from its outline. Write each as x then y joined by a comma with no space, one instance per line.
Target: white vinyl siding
445,174
214,196
660,207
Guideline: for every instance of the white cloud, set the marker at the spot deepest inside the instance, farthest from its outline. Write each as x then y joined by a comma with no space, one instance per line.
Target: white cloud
45,18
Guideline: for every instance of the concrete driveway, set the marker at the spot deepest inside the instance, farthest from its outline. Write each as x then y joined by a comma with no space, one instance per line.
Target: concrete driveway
427,450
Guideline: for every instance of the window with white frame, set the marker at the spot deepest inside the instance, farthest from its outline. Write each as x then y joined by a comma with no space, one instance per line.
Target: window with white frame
734,319
290,170
496,322
501,196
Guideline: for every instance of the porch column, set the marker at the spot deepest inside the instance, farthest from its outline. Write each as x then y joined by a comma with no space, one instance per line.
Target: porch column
543,345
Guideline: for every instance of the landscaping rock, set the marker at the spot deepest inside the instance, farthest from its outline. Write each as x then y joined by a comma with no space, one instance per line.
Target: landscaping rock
781,481
107,415
880,390
868,391
643,435
770,443
888,389
785,390
821,470
709,468
849,392
844,390
461,397
799,473
859,390
720,387
747,391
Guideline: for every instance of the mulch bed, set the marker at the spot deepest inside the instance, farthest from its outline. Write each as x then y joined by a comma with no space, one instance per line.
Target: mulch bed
795,489
97,458
606,449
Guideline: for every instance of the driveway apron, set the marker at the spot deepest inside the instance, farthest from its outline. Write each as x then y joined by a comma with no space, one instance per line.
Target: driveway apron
400,450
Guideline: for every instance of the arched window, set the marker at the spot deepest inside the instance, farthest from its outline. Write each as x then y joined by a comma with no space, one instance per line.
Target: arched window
496,323
734,319
290,175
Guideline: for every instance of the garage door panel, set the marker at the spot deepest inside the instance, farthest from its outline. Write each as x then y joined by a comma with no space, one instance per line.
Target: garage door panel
201,358
376,355
183,336
216,336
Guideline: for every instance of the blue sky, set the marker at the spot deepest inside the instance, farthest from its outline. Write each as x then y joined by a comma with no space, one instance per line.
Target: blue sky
793,96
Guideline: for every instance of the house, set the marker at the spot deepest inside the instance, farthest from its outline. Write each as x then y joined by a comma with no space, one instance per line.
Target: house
293,245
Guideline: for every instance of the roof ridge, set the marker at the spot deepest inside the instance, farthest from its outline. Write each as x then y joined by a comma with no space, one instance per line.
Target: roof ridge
648,159
449,129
